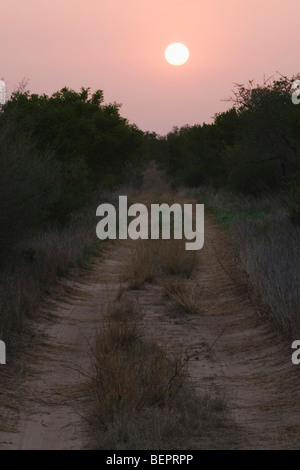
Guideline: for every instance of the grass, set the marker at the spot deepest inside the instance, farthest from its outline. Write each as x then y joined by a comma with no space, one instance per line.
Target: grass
151,260
175,260
140,264
227,207
269,252
267,244
186,294
37,263
131,374
122,308
226,218
142,397
166,262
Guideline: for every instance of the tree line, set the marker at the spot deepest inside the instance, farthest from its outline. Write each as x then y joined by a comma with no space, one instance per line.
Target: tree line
56,152
251,148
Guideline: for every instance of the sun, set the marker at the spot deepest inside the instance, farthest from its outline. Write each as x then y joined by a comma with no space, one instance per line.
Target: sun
177,54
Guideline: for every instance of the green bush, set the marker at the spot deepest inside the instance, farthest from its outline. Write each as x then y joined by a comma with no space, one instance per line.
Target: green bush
251,148
56,151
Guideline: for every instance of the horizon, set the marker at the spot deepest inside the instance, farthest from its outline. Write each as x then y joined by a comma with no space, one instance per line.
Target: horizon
119,48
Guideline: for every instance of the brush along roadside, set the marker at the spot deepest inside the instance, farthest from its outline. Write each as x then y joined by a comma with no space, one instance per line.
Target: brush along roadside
186,293
150,260
142,398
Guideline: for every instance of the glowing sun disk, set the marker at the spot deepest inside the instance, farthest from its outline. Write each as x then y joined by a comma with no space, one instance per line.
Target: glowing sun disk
177,54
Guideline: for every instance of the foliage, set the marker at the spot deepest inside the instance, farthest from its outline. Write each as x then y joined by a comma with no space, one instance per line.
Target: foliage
55,152
252,148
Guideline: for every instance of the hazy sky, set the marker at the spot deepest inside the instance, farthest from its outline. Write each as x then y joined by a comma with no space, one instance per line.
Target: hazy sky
118,46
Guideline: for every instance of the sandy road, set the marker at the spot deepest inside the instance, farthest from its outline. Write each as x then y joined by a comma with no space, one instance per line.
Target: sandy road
52,399
235,352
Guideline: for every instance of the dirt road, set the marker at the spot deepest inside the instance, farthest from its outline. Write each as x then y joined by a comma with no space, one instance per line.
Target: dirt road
235,352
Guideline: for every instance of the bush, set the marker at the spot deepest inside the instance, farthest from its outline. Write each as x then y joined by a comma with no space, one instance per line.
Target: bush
29,187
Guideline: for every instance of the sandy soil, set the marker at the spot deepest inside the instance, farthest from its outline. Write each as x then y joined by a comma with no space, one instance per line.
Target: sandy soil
51,400
235,352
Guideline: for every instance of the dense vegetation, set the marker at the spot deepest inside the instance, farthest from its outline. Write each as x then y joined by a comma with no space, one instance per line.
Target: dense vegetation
252,148
55,152
60,156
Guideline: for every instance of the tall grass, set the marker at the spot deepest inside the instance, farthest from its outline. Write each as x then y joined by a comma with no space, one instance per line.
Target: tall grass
142,397
151,260
36,263
185,293
269,250
268,246
131,374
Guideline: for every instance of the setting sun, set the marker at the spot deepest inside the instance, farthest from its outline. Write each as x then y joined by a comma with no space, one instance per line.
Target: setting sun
177,54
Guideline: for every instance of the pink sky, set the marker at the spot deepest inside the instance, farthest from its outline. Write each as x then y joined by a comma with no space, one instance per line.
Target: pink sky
118,46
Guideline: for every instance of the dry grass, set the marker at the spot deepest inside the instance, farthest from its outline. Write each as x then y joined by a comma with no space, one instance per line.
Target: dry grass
131,374
175,260
143,398
269,252
37,264
188,422
185,293
150,260
267,245
140,264
122,309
